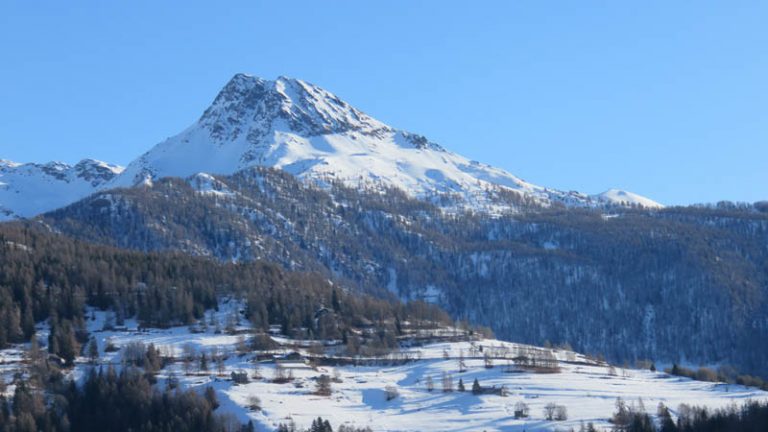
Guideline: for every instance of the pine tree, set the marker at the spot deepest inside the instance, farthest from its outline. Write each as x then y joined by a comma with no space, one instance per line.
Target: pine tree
335,301
461,385
68,348
93,350
666,424
476,389
320,425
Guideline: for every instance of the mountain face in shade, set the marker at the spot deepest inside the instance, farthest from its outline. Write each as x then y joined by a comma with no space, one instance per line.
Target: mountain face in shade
307,131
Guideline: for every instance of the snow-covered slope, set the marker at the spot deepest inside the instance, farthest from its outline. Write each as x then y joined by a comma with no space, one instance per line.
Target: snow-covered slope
624,198
586,388
311,133
298,127
29,189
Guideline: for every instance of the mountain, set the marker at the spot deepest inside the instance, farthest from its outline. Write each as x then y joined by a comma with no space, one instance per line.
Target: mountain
624,198
307,131
29,189
313,134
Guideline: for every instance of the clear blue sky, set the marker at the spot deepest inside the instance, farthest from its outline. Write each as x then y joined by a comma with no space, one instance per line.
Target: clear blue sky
668,99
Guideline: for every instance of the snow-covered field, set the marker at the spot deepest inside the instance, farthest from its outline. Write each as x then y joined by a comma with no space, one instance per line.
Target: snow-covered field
586,388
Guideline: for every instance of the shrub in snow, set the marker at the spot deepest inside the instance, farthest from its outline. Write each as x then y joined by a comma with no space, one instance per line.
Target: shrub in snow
323,385
240,377
552,411
254,403
521,410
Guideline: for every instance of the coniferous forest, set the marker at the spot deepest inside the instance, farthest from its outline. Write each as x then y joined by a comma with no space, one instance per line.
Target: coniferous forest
45,276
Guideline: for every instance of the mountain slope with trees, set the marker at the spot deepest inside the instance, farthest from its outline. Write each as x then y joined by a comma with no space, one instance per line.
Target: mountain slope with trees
678,284
46,276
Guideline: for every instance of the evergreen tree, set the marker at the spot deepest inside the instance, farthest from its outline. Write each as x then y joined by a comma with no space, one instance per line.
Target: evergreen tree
93,350
476,389
675,369
666,424
335,301
320,425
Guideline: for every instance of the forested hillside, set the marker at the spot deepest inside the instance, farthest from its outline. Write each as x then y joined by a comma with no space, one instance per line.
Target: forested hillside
679,284
50,276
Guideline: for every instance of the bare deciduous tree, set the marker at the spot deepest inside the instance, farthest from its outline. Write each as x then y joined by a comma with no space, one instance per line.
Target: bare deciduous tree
447,382
391,392
522,410
323,385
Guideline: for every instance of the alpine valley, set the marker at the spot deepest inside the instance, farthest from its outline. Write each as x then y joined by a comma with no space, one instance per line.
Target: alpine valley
287,215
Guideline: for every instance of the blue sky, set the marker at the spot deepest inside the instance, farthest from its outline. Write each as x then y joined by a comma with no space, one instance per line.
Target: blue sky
666,99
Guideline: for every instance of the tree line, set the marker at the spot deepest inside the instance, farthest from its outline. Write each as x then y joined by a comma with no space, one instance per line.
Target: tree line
752,416
47,276
107,400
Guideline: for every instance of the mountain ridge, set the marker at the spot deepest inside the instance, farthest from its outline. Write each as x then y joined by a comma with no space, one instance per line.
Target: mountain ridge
313,134
28,189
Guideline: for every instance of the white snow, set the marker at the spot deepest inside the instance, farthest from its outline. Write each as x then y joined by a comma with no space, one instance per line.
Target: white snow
29,189
624,198
305,130
311,133
587,388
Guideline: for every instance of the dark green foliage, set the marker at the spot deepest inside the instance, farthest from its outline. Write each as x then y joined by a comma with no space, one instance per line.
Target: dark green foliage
93,350
476,389
320,425
666,423
750,417
108,401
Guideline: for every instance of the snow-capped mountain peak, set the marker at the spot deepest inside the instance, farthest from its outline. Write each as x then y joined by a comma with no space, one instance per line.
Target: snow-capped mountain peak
625,198
305,130
29,189
310,132
249,105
